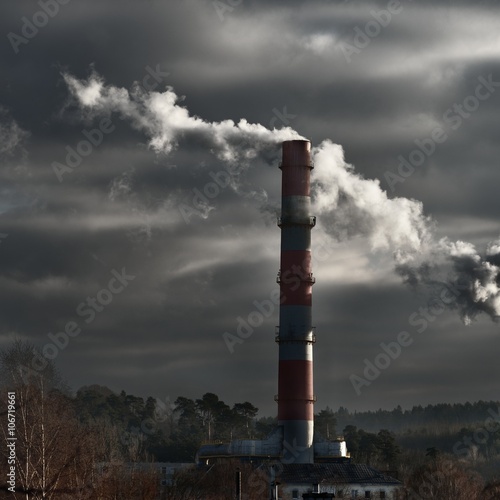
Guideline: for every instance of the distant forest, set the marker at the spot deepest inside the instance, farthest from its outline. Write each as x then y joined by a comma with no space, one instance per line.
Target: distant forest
173,431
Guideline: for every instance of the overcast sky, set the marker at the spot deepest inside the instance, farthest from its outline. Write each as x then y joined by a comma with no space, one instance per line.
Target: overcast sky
369,79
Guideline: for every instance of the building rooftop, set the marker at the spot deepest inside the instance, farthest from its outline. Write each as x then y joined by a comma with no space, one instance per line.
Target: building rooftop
333,473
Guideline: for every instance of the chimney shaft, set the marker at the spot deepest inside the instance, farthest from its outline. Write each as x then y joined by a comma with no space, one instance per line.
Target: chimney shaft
295,338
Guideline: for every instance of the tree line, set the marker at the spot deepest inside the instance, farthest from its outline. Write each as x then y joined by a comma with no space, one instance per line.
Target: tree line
81,445
431,416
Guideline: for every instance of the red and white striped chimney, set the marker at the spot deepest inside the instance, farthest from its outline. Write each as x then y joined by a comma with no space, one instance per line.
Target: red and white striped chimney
295,334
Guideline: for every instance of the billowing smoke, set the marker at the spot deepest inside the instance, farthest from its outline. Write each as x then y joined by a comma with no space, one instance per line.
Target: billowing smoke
454,272
458,266
353,206
349,205
160,116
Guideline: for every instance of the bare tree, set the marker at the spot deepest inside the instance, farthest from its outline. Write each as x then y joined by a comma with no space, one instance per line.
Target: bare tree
445,478
119,481
491,491
54,453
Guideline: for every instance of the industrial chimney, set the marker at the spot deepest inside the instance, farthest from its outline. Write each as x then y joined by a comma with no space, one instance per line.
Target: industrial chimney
292,441
295,334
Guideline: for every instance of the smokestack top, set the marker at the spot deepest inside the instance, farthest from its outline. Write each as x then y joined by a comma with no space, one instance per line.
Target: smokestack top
297,153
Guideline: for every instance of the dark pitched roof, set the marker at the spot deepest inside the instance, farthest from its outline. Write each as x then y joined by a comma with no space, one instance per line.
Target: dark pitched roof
333,473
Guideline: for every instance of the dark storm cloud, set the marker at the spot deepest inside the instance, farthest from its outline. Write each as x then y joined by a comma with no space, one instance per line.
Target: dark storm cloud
278,64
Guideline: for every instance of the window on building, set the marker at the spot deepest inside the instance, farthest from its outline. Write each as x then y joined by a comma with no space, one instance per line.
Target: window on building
295,494
164,482
382,494
354,494
163,470
368,494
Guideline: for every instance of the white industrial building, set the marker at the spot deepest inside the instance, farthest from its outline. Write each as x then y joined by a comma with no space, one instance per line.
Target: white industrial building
344,479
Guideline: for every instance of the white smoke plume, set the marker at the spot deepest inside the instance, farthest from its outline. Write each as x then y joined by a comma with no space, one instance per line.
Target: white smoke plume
352,206
349,205
160,116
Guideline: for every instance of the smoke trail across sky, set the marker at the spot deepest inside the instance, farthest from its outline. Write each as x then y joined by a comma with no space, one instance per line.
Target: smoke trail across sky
349,205
165,121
